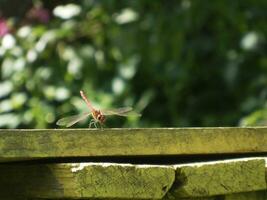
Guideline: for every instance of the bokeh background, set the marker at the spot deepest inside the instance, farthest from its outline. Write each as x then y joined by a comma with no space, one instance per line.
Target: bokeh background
181,63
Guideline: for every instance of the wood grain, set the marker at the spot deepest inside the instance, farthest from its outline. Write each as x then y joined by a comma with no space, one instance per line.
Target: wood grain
61,143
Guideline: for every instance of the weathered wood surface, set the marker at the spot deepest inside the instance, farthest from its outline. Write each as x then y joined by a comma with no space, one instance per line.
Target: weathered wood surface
257,195
85,180
58,143
120,181
219,178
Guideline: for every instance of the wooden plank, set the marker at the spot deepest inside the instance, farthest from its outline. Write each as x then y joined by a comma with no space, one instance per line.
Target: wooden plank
85,180
219,178
193,198
125,181
58,143
257,195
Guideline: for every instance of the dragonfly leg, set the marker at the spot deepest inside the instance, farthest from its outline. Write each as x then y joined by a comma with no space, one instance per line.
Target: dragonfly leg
91,123
95,124
102,125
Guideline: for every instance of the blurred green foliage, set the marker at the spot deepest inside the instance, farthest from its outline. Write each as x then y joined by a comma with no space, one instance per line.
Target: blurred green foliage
179,63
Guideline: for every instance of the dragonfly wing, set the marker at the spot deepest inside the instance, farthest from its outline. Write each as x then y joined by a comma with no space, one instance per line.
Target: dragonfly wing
125,111
71,120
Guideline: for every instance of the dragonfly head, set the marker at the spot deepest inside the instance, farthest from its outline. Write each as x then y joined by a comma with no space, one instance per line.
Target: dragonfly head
100,117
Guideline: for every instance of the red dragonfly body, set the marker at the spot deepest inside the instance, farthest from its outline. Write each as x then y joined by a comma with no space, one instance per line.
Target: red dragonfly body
98,115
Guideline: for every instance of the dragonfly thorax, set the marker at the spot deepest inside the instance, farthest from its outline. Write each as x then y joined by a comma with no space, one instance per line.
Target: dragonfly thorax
98,116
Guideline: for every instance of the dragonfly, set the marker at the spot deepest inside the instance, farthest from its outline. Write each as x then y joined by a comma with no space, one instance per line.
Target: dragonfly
98,116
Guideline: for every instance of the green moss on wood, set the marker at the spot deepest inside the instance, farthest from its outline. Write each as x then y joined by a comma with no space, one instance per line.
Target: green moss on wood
86,180
34,144
219,178
257,195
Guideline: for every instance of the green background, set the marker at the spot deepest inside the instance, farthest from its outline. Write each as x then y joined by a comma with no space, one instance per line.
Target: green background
179,63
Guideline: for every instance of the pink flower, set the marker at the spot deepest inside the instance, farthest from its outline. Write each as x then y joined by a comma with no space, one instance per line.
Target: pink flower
4,29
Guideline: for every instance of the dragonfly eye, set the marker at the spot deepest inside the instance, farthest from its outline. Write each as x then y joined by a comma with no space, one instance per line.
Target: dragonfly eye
101,118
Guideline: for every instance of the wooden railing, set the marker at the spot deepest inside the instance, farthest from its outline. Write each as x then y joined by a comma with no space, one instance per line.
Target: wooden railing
164,163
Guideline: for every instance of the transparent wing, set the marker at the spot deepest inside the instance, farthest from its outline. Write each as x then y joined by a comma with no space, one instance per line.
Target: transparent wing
71,120
125,111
